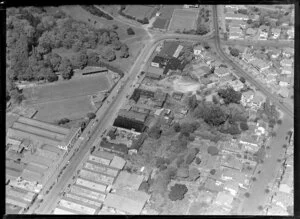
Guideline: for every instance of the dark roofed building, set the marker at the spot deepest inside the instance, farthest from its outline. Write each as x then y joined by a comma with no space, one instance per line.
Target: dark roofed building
177,95
159,62
115,148
132,115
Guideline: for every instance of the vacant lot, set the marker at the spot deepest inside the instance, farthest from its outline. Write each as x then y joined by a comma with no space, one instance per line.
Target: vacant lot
139,11
165,16
184,19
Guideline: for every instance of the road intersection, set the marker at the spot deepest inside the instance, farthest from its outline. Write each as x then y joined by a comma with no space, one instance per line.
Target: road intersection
108,111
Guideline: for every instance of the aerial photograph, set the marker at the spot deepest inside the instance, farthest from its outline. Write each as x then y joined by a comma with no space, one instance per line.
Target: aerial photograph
150,110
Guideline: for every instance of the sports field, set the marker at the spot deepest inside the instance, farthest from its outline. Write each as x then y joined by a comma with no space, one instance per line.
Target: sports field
139,11
87,85
184,19
70,99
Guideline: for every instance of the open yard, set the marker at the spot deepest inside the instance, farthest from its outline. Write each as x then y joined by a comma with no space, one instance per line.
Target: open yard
161,23
184,19
139,11
69,99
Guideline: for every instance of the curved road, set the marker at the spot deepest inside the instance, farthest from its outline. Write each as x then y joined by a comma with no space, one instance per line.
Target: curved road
241,72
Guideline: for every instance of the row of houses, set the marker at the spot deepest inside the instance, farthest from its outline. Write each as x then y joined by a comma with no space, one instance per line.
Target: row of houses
101,187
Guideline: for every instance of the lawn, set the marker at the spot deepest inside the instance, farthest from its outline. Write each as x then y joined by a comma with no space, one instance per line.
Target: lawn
67,89
72,109
160,23
139,11
184,19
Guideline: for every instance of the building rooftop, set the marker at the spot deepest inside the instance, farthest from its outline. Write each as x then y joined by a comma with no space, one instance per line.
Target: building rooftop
221,71
287,62
132,115
248,94
251,31
236,16
127,180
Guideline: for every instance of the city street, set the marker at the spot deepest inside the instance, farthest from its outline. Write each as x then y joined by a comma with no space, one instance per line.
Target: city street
248,77
269,170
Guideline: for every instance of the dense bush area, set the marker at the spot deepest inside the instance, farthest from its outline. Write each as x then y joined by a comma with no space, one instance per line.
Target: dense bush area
96,11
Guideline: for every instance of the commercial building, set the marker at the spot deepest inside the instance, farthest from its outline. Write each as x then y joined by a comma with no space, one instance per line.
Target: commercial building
231,16
127,180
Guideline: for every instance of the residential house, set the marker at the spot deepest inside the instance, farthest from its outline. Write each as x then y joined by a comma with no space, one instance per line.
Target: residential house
284,92
233,175
235,7
263,32
190,6
270,79
154,73
231,16
257,101
288,52
287,70
247,97
250,32
198,50
275,53
237,85
232,187
235,33
221,72
177,95
284,81
287,62
269,72
224,199
248,57
238,23
291,33
249,143
260,65
275,33
231,146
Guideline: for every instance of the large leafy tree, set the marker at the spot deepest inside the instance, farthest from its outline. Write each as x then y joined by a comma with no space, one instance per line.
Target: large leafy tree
230,95
177,192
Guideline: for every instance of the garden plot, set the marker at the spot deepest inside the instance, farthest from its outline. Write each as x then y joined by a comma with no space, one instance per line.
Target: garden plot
184,19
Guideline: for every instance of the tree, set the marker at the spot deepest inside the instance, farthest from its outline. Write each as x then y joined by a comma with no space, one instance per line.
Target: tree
212,114
124,51
177,127
279,122
234,52
183,172
191,156
186,128
130,31
230,95
82,125
179,161
63,121
54,60
93,58
91,115
177,192
247,194
244,126
215,100
81,59
108,54
155,132
192,102
50,75
202,29
198,160
16,96
67,73
242,79
212,150
116,44
66,68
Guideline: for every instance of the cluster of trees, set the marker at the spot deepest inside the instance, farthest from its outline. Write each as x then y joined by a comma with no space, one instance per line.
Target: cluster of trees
177,192
32,34
96,11
234,52
142,21
212,114
229,95
130,31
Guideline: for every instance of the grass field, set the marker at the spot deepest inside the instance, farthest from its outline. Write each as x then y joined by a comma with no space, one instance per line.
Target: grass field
160,23
68,89
70,99
184,19
139,11
73,108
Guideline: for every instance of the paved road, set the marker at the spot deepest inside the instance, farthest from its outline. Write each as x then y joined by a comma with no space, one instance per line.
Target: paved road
269,170
241,72
259,43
